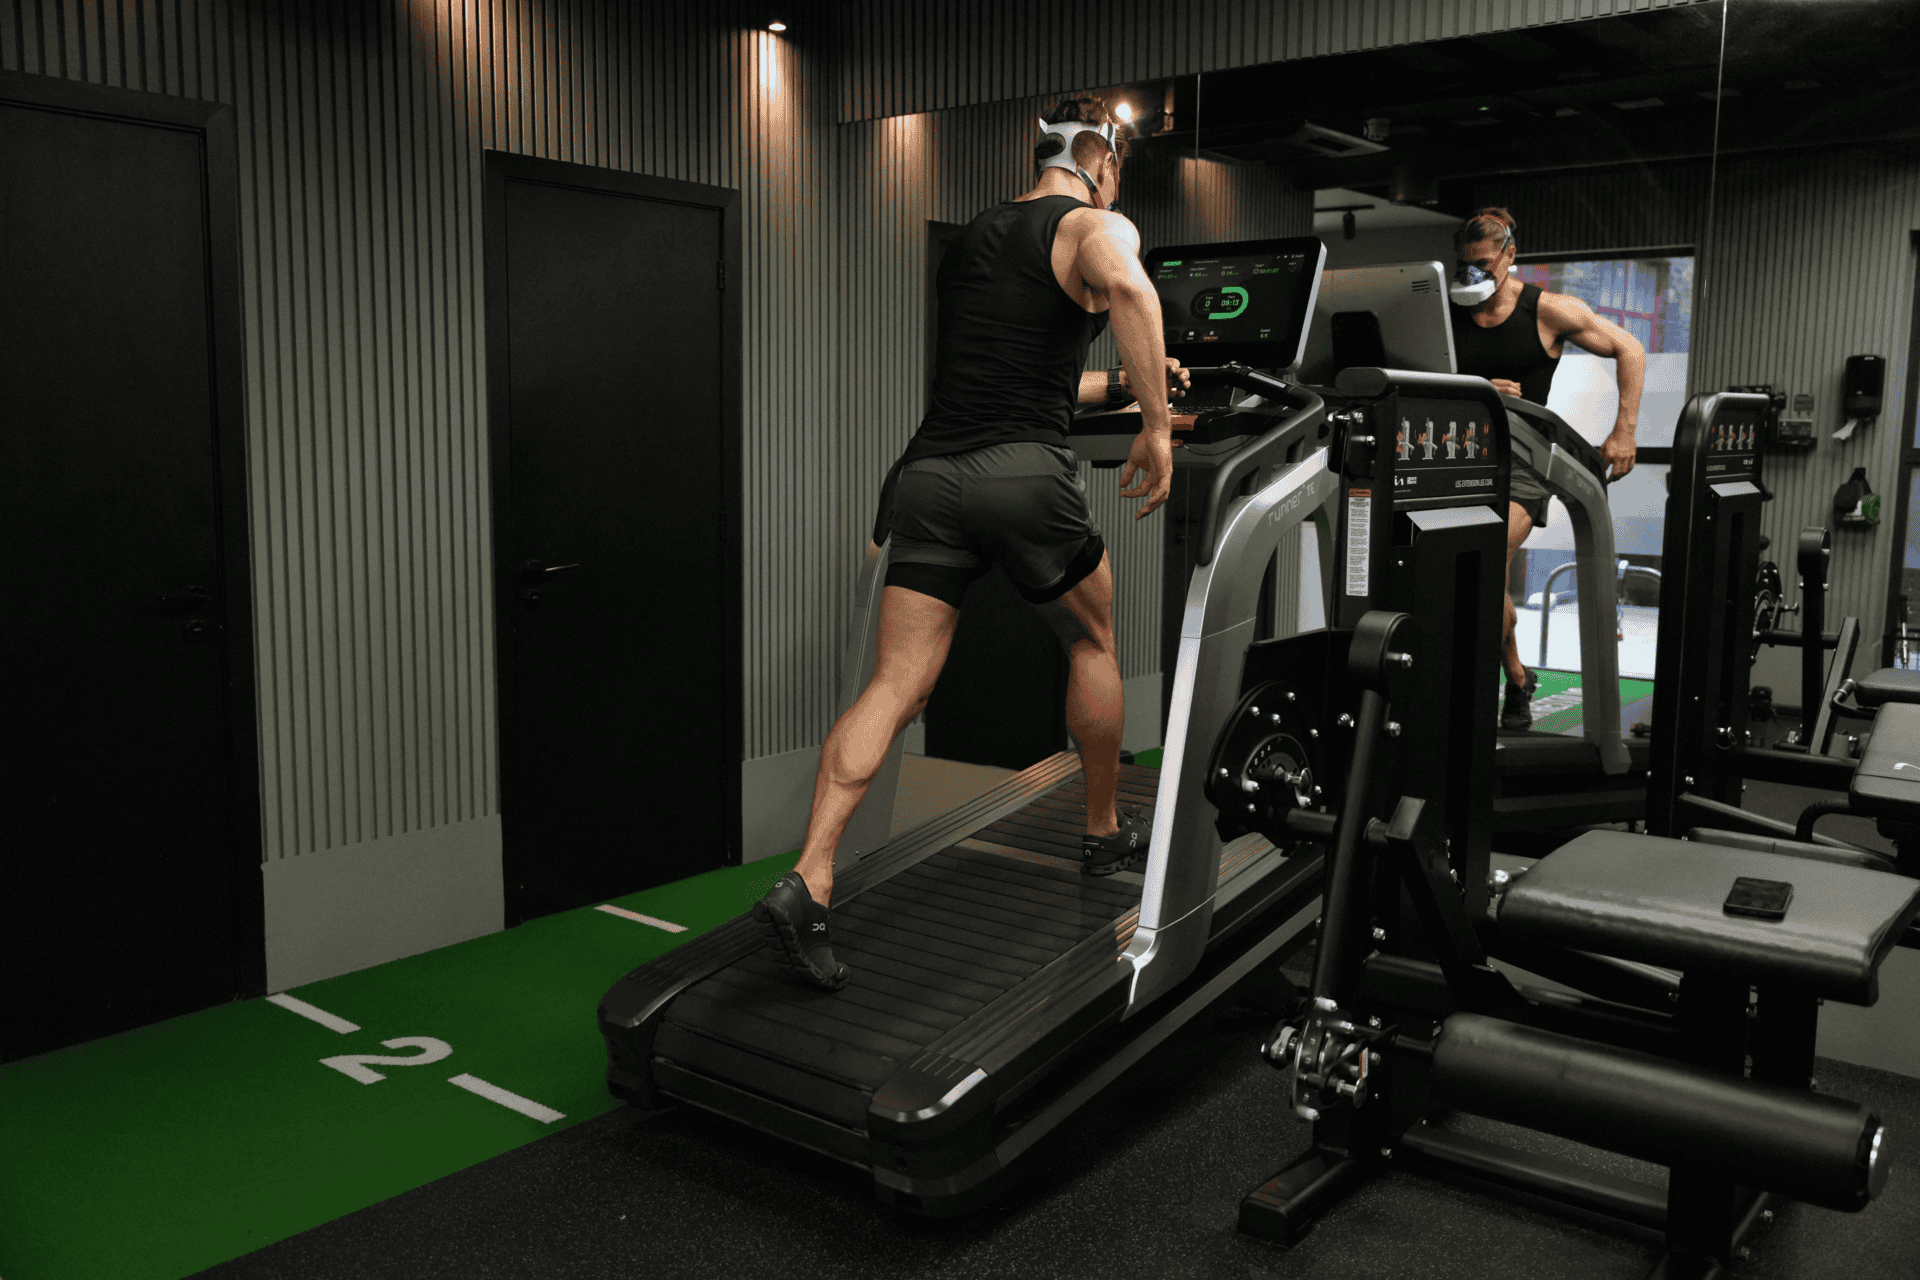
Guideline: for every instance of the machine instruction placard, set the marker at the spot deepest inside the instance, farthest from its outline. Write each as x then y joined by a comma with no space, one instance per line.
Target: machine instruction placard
1359,534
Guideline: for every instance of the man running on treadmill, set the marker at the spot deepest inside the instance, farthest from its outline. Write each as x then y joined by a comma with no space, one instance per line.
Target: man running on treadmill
988,480
1513,334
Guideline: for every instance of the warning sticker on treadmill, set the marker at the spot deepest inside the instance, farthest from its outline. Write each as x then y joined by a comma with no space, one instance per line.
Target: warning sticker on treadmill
1359,526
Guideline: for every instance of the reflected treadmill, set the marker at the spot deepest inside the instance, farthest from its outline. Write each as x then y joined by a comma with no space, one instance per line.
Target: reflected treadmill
995,986
1552,781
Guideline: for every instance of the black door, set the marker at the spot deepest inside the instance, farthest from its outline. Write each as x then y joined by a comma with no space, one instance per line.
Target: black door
615,415
129,881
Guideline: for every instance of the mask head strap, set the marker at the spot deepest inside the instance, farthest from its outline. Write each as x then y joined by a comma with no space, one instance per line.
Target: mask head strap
1067,131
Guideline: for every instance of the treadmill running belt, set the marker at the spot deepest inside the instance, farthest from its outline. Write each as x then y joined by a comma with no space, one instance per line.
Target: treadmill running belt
929,948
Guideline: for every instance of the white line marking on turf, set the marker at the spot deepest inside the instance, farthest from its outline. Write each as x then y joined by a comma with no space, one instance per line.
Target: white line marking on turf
625,914
321,1016
512,1101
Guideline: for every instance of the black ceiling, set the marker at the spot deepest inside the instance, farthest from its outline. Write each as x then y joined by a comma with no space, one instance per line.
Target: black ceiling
1612,91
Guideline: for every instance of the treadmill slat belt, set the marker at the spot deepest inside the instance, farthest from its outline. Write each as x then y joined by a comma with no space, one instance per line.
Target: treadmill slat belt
930,947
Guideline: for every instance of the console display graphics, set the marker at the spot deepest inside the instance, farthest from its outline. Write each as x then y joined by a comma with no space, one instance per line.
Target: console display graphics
1731,442
1240,299
1445,453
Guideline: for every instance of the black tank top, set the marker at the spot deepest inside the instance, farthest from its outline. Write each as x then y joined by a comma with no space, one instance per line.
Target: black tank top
1510,349
1012,344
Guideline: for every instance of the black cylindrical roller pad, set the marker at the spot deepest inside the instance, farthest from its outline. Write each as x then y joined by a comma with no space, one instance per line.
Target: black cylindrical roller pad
1813,1148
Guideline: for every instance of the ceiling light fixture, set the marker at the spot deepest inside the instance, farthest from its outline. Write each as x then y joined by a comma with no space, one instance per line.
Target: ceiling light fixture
776,26
1125,111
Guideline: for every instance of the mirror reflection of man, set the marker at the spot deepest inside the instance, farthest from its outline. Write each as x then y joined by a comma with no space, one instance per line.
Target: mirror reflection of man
1513,335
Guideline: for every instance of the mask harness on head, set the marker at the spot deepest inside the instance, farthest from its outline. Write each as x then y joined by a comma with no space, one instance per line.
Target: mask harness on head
1471,286
1063,159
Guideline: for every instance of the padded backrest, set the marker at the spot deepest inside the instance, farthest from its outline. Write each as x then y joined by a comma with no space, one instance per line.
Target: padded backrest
1865,859
1889,684
1886,783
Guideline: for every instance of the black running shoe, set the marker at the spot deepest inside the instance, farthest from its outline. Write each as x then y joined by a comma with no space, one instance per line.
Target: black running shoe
799,925
1517,711
1104,855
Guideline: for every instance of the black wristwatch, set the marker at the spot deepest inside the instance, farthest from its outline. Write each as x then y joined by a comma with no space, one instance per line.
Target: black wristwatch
1116,394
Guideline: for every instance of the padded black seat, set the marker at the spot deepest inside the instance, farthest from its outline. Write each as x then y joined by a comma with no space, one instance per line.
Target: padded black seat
1886,785
1658,902
1889,684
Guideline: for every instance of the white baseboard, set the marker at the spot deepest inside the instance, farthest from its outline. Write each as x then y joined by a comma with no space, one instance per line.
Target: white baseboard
1143,729
339,910
776,793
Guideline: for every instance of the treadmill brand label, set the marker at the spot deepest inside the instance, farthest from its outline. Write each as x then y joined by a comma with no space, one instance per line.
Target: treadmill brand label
1359,531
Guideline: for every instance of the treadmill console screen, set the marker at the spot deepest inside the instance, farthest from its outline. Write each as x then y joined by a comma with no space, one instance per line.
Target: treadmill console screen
1245,301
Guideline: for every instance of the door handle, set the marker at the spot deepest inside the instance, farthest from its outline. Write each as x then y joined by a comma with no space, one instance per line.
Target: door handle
537,572
189,596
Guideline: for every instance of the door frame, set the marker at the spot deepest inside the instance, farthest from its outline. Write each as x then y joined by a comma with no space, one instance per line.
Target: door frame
213,122
1907,464
499,168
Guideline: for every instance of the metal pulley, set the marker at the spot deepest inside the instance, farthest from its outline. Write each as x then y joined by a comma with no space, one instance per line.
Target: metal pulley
1267,762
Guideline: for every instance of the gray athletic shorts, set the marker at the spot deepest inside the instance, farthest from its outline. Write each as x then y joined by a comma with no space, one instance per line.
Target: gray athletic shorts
1526,487
1019,506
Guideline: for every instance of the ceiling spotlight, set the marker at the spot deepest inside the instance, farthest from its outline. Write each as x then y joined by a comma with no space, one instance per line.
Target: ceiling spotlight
776,26
1125,111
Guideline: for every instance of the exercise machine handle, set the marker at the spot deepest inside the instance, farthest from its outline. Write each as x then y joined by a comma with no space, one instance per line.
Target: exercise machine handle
1265,450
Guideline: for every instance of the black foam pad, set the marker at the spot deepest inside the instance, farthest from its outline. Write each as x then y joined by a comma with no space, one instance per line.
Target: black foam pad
1889,684
1659,901
1886,785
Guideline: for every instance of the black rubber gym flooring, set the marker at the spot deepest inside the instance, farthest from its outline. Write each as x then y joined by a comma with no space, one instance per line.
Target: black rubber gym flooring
1146,1185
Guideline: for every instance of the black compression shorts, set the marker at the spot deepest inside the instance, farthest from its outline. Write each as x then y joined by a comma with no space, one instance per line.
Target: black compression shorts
1019,506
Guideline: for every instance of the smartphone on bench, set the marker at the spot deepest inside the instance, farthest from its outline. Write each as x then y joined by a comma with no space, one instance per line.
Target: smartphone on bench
1758,899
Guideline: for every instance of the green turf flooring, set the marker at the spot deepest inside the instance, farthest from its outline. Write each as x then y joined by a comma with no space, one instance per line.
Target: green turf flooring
1557,702
162,1151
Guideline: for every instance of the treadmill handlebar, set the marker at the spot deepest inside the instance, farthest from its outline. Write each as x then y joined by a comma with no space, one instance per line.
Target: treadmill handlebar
1368,384
1265,450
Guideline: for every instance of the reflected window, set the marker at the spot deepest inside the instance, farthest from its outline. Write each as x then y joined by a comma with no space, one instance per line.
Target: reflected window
1652,299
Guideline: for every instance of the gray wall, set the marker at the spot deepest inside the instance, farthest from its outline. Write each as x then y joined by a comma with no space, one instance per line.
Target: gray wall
360,133
1807,260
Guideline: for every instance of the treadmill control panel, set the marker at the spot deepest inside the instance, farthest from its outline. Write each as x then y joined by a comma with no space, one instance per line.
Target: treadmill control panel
1444,453
1733,446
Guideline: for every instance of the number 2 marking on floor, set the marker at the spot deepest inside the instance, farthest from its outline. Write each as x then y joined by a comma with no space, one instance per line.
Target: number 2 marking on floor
355,1064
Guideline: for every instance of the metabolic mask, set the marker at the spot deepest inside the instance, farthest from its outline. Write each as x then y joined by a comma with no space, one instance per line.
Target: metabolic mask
1063,158
1471,286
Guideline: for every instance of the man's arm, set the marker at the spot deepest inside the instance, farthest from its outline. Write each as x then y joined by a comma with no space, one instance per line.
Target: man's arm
1574,321
1108,260
1093,384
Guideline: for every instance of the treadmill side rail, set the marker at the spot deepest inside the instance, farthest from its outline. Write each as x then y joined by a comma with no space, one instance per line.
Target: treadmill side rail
1585,497
631,1009
1176,905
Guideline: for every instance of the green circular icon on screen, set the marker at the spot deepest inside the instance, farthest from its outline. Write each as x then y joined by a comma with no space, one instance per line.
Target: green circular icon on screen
1223,303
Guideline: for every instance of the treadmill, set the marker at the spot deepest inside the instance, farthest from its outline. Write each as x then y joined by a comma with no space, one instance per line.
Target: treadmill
995,987
1396,316
1554,781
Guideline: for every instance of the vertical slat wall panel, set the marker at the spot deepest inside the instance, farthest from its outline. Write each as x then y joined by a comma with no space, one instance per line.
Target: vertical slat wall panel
1807,262
361,128
996,49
